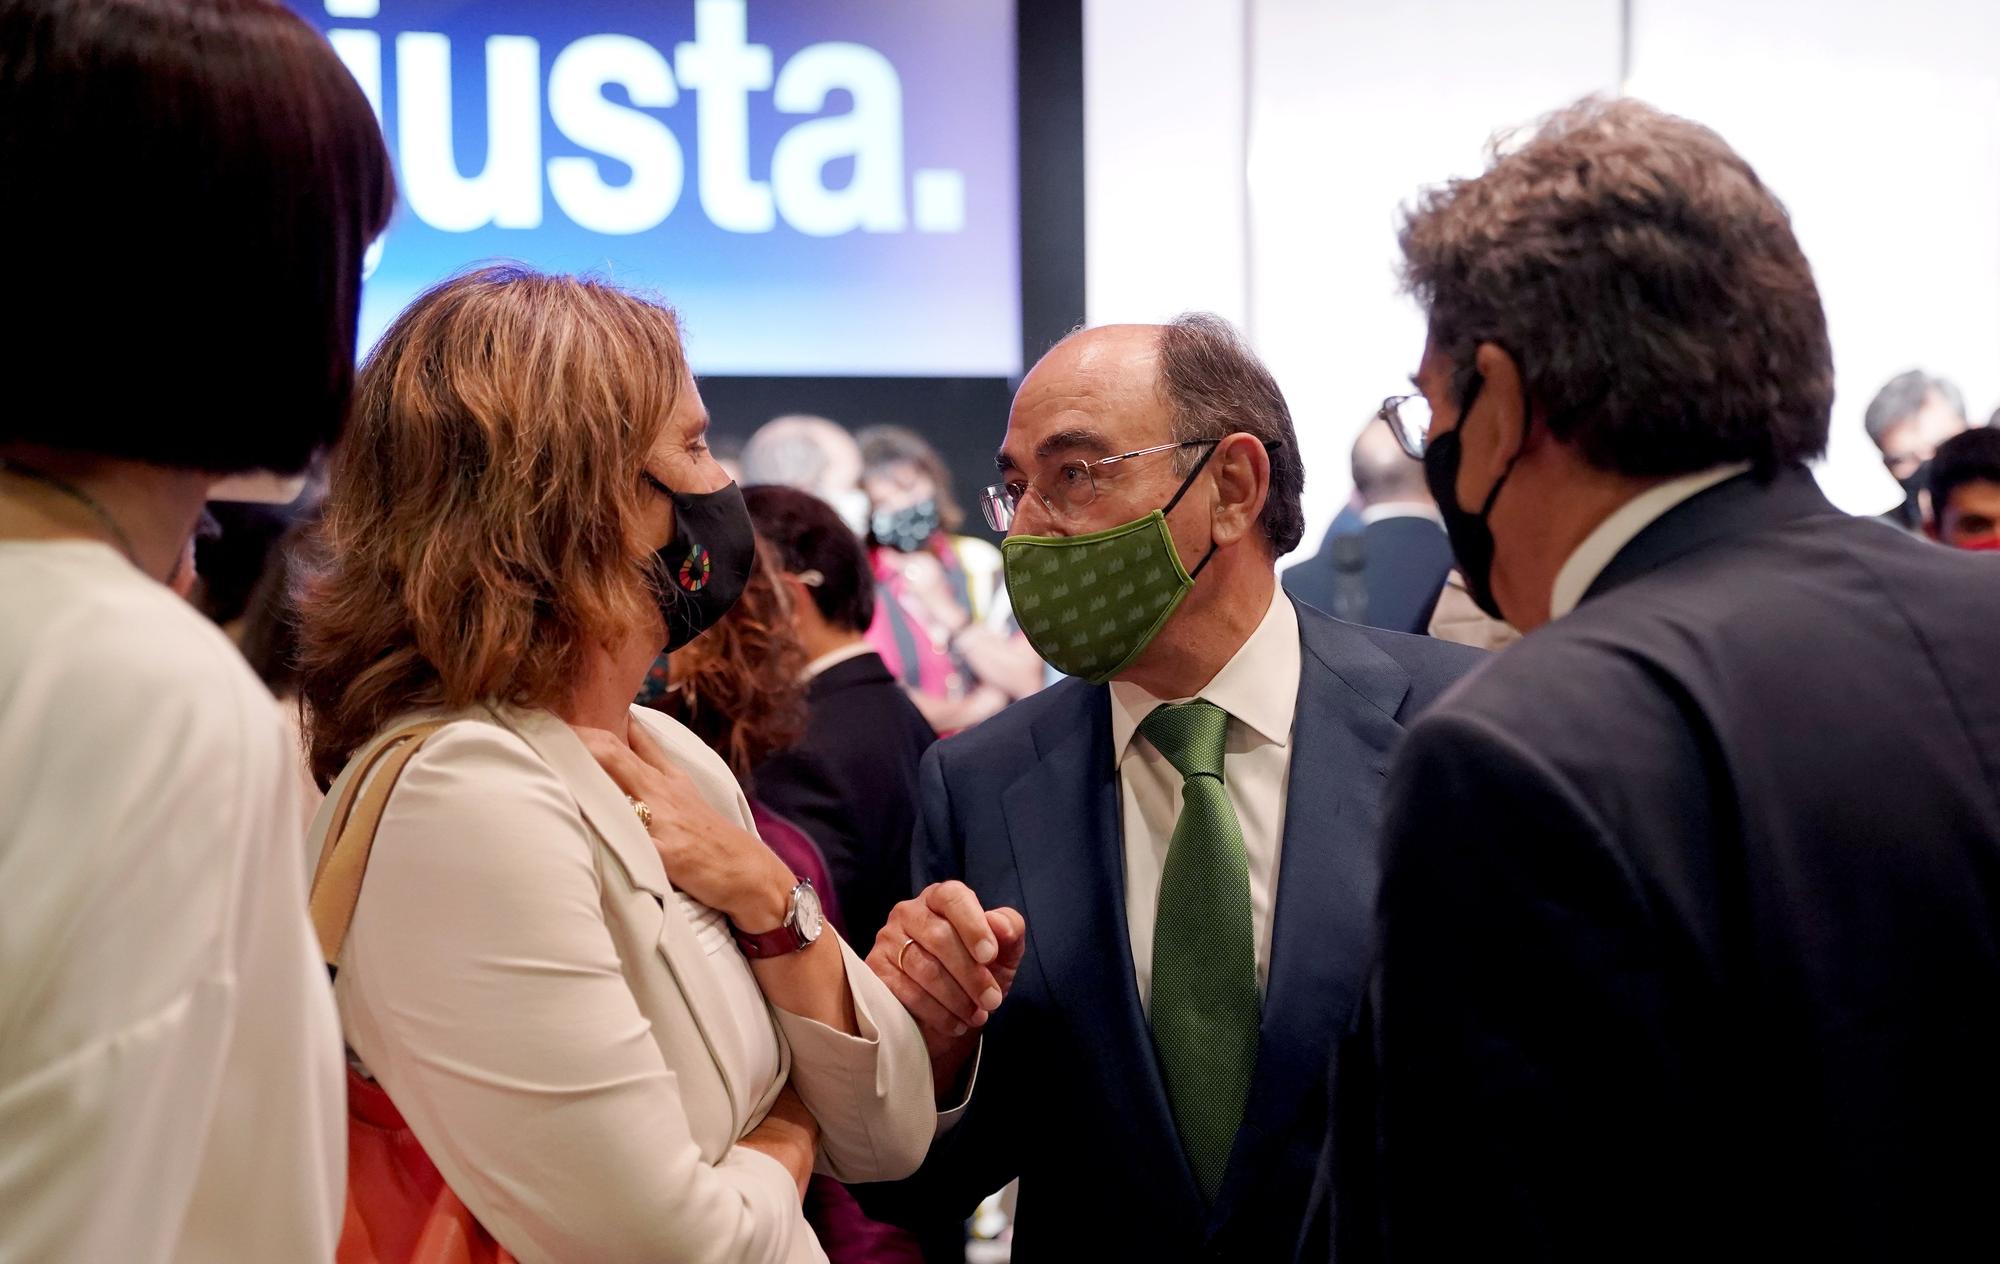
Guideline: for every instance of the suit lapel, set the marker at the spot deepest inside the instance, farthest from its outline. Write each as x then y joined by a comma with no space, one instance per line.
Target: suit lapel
1063,825
1343,733
611,816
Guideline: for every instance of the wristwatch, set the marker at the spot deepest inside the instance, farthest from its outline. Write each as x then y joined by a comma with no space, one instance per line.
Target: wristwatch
800,929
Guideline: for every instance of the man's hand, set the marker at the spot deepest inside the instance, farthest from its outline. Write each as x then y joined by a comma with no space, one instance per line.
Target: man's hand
950,962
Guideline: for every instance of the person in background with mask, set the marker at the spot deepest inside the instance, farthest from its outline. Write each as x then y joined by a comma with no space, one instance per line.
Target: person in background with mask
1389,574
192,185
815,456
1965,491
1186,825
1908,418
607,1010
942,621
851,778
1688,941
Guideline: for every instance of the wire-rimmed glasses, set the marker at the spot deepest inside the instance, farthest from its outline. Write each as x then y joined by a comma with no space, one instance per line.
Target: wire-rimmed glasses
1409,418
1074,486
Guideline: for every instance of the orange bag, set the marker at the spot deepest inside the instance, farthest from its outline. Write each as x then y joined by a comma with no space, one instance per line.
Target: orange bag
399,1210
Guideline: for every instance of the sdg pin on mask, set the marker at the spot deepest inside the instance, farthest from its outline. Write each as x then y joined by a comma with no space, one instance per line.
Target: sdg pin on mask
703,569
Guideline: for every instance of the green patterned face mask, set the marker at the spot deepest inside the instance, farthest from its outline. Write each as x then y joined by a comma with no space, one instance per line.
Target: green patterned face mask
1090,604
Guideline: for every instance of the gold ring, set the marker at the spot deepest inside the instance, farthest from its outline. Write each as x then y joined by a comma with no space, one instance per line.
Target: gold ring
639,808
902,952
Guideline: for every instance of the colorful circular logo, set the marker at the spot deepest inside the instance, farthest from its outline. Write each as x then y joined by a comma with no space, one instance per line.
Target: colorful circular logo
695,570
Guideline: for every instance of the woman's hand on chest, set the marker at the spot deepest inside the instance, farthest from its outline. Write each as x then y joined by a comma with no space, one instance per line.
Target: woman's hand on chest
708,856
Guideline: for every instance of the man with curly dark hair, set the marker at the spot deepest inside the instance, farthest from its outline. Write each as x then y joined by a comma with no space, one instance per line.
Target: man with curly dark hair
1685,946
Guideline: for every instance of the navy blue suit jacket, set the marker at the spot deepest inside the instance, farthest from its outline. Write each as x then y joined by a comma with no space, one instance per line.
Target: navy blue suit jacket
1069,1097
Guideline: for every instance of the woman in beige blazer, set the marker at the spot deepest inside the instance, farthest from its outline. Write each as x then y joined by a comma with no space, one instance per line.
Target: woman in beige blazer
547,967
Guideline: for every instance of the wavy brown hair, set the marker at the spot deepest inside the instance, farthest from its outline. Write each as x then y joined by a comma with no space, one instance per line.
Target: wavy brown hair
739,686
480,529
1646,281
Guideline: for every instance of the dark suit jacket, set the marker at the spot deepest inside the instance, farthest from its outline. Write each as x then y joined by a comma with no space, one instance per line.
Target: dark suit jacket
1399,566
1688,927
1068,1096
851,783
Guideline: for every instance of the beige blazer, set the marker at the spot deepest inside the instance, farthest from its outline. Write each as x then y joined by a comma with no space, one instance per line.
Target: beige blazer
524,981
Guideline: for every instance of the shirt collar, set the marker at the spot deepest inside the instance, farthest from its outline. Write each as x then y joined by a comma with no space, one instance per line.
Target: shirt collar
1259,685
1623,526
834,658
1400,509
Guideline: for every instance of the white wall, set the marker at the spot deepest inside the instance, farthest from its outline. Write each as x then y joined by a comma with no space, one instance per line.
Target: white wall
1879,124
1163,110
1354,107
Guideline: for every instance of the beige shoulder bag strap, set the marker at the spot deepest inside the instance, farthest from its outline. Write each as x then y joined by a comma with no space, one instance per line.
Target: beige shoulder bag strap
350,835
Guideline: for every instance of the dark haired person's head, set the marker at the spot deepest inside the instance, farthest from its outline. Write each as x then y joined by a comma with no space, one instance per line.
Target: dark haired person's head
1909,417
1615,302
815,551
191,187
1965,490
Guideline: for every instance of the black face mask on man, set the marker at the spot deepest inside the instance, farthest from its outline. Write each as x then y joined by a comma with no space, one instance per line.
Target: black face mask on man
1471,535
705,566
1916,485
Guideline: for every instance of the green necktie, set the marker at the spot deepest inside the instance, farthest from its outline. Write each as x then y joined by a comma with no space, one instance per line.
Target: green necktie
1205,1008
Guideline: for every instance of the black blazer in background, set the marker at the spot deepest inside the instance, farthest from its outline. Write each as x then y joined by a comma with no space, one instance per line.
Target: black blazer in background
1068,1095
1400,564
1688,922
851,783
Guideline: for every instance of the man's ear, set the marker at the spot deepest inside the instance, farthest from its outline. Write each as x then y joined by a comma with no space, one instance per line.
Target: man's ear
1242,470
1494,430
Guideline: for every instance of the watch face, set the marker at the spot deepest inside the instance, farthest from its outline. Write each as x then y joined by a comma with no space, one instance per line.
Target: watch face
808,920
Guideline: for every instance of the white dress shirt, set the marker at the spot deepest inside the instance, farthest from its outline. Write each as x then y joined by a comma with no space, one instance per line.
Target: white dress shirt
1371,514
834,658
1259,688
1609,537
170,1065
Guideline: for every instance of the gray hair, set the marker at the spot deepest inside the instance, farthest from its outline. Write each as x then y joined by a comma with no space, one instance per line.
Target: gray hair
1216,386
792,451
1903,398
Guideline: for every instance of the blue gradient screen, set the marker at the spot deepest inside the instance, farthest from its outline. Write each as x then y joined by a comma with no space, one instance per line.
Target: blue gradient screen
819,187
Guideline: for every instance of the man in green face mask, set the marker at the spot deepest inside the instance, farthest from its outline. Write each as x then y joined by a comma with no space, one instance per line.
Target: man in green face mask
1185,827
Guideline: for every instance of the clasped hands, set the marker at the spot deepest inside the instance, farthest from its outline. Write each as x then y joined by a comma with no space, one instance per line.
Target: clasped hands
951,962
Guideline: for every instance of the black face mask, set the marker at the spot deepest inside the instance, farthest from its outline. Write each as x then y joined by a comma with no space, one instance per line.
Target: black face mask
703,569
1914,486
1471,537
907,529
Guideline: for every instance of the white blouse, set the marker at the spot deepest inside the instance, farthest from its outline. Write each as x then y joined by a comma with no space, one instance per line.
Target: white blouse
170,1073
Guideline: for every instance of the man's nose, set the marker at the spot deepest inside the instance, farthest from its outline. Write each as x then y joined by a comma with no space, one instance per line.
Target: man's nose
1032,517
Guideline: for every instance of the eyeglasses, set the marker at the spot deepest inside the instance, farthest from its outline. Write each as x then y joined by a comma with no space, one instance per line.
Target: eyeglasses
1409,418
1074,486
